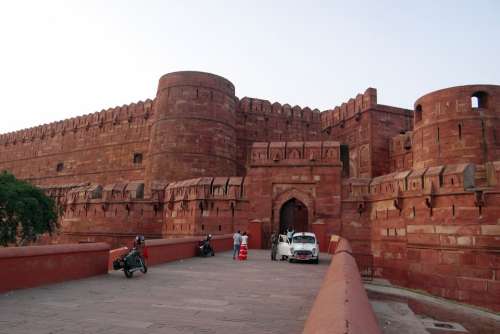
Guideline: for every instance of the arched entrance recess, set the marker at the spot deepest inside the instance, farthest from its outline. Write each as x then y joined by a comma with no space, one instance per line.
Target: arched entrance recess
302,196
293,213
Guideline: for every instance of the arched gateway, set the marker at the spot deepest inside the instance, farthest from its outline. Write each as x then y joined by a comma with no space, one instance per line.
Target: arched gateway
293,213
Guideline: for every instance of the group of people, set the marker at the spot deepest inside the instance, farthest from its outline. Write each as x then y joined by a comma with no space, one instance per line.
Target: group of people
275,239
240,246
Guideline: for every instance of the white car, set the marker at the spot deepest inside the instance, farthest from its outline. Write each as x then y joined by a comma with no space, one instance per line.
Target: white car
304,247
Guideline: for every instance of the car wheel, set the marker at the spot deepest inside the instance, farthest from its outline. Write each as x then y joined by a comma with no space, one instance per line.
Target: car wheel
290,260
316,261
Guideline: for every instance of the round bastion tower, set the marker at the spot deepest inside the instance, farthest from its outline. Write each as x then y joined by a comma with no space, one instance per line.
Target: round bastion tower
193,130
457,125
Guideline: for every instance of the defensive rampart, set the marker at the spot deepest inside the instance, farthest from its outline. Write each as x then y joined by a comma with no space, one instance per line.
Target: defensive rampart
103,147
433,229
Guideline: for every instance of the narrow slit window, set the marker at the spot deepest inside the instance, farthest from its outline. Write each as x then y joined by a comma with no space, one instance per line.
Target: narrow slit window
418,113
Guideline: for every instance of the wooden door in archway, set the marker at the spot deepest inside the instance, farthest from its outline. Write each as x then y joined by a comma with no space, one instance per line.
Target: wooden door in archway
293,213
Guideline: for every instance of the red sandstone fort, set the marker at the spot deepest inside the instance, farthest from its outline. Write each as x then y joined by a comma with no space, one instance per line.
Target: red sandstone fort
416,192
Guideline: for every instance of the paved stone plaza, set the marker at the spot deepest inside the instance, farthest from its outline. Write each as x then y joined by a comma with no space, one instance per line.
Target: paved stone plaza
199,295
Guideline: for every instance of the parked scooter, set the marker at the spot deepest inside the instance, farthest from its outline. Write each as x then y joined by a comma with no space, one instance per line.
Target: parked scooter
205,248
133,260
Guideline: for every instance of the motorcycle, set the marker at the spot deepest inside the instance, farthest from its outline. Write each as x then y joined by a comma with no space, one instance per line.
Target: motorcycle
130,263
205,248
133,260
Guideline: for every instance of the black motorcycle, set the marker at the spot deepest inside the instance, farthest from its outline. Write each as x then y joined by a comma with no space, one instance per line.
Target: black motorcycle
205,248
130,263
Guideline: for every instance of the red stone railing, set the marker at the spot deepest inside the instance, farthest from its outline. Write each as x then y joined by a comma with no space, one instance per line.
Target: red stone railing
26,267
342,306
166,250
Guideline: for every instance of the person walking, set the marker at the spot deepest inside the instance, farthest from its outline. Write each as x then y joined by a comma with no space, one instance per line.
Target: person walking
236,244
244,247
274,246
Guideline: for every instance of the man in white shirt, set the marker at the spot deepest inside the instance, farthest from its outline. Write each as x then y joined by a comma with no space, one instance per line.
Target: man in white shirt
236,244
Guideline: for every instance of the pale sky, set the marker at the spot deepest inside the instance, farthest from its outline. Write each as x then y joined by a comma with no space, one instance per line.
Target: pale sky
60,59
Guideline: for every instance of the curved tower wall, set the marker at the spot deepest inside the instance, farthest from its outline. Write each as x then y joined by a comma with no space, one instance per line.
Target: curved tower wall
448,129
193,131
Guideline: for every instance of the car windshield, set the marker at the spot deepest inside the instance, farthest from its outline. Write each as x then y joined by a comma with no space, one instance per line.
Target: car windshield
304,239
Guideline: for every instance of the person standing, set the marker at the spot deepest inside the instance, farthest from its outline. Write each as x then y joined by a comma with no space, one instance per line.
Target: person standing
289,233
274,246
236,244
244,247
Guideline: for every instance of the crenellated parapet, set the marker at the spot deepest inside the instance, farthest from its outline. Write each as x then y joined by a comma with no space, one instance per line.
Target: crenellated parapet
447,179
61,192
204,205
176,195
84,193
205,188
264,107
326,152
134,113
114,192
350,109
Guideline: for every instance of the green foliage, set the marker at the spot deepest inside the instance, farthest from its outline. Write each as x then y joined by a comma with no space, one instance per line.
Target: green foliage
25,211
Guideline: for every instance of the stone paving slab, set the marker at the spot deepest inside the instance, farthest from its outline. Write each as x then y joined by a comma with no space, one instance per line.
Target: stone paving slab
199,295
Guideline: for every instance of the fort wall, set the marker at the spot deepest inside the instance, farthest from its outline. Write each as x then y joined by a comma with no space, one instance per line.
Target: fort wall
98,147
205,205
433,229
260,121
307,172
416,193
193,132
366,127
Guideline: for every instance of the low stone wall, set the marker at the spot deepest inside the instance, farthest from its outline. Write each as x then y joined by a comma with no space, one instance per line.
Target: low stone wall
342,304
115,254
166,250
26,267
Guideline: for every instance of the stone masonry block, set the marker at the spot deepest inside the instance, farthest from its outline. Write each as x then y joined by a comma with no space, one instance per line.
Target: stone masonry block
420,229
490,230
